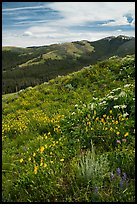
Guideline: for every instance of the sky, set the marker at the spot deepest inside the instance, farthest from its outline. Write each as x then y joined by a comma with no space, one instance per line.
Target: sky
43,23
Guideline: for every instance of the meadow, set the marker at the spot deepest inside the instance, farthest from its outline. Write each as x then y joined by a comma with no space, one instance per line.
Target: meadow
72,139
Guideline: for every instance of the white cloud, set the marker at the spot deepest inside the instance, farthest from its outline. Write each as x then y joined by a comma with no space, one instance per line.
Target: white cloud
118,22
72,14
80,13
27,33
22,8
75,13
119,30
21,40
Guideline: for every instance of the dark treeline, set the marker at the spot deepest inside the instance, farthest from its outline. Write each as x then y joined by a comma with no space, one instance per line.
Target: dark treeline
20,78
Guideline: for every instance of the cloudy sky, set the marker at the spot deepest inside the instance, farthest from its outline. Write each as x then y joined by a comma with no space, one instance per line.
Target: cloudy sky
43,23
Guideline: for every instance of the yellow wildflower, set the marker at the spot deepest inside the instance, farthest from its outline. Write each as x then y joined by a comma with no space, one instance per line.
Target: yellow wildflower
116,122
41,161
97,119
41,149
111,129
41,164
35,169
117,133
34,154
46,146
104,115
126,134
61,160
21,160
102,120
45,165
89,123
51,162
110,111
29,158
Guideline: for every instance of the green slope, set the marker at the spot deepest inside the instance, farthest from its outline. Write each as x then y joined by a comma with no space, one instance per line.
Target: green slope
47,130
23,67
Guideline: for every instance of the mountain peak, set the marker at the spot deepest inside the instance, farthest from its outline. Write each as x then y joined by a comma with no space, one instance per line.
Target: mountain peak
124,37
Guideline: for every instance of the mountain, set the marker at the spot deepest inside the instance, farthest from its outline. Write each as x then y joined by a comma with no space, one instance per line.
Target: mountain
23,67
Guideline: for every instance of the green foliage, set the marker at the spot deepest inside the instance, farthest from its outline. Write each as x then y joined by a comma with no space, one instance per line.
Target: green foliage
91,168
47,130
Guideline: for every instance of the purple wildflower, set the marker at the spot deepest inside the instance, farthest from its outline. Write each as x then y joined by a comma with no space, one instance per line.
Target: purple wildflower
124,177
121,183
118,171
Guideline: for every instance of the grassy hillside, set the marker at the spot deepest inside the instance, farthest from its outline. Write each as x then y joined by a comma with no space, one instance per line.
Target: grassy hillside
72,139
24,67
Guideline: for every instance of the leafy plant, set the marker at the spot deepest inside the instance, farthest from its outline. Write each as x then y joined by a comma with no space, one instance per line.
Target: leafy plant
92,168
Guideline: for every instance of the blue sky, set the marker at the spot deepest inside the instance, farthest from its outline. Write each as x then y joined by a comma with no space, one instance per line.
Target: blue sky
43,23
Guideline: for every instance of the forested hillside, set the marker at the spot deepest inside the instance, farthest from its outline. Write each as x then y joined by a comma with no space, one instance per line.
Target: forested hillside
24,67
72,138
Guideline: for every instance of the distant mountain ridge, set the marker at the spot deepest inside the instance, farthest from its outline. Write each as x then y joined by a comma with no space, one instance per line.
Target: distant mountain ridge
23,67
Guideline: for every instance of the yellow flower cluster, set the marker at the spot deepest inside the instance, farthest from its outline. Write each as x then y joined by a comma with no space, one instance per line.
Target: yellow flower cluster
41,117
25,103
107,123
21,121
126,134
44,156
15,123
21,160
41,149
36,169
